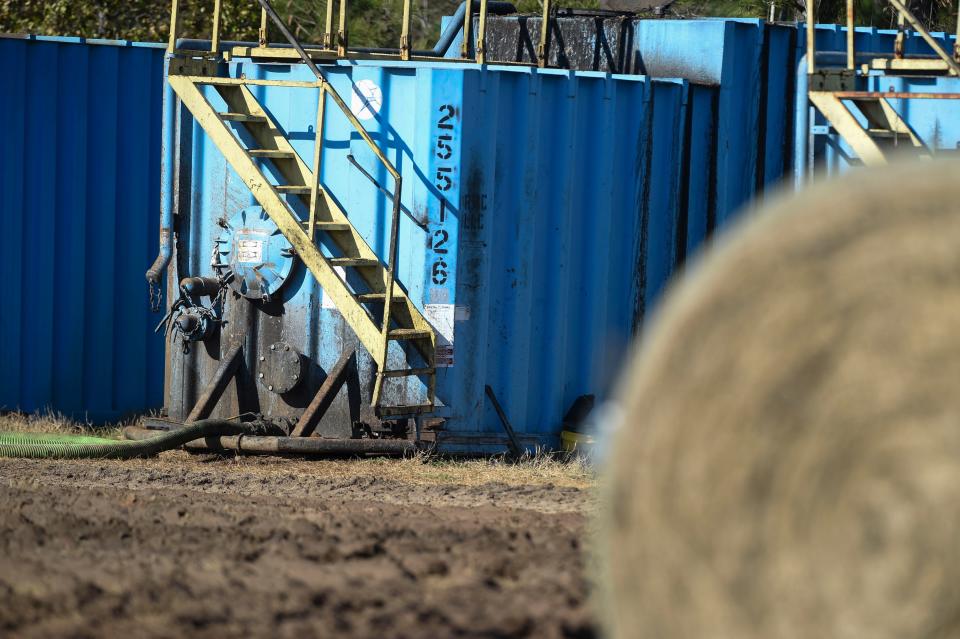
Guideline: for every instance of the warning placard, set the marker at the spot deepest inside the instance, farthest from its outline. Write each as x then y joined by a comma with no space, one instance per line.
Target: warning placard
250,251
441,318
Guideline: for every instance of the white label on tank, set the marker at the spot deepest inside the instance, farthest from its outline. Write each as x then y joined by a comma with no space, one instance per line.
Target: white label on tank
462,314
444,356
441,318
325,300
366,100
250,251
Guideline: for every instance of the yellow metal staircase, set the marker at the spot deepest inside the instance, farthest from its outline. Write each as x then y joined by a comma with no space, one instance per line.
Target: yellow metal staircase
866,119
885,130
381,313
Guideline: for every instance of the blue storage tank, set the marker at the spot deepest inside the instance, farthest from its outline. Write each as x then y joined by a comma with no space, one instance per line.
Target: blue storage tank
568,199
544,212
748,64
79,190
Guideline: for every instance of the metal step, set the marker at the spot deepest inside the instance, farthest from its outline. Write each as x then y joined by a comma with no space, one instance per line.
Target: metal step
293,189
887,134
377,297
872,110
241,117
409,372
333,226
327,226
409,333
396,411
355,262
271,153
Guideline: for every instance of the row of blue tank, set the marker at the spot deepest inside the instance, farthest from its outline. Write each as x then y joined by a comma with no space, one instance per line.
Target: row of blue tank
573,198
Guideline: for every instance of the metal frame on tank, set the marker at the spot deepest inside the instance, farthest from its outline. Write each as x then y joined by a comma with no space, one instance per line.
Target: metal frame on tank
867,120
335,42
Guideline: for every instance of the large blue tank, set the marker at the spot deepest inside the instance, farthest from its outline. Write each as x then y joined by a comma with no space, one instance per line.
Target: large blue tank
544,212
79,189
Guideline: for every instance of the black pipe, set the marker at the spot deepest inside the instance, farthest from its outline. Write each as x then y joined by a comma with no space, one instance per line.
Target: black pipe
289,445
268,9
199,286
455,25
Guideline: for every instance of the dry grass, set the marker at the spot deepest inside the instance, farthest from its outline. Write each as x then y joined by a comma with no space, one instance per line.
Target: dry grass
50,422
421,470
535,470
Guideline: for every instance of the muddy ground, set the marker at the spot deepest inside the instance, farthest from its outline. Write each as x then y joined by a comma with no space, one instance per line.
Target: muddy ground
191,546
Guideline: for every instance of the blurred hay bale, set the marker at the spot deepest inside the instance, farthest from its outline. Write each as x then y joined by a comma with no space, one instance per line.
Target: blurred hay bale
790,462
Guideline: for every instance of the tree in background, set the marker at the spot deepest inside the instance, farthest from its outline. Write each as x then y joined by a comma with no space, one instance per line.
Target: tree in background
371,22
377,22
938,15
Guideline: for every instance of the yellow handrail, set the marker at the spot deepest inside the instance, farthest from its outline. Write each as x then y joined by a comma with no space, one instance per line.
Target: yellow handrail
339,40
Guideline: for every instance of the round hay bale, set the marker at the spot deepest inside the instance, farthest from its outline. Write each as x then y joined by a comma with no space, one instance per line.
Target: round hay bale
789,465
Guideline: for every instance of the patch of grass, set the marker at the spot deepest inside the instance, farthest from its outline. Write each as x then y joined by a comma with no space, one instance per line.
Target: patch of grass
51,422
541,469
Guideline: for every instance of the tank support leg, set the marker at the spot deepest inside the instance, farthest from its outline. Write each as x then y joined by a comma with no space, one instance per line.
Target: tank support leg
211,395
324,397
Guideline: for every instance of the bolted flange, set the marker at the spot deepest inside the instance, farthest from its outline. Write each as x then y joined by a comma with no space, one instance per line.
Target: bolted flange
281,368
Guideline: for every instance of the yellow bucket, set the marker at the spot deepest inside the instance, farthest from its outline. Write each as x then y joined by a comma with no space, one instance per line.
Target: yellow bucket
572,441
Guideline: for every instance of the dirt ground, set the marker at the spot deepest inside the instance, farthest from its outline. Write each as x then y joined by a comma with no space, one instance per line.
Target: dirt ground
201,546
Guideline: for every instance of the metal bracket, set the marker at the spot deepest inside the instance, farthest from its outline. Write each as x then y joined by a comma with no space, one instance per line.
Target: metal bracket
325,396
211,395
514,444
833,80
199,67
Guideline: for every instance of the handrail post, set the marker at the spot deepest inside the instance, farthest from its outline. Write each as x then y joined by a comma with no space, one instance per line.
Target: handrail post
851,39
482,34
542,53
174,25
215,39
405,31
328,27
811,6
263,35
342,33
467,26
898,43
317,160
388,286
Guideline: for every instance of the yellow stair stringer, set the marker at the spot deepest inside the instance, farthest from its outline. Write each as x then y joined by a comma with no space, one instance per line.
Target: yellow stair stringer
268,197
840,117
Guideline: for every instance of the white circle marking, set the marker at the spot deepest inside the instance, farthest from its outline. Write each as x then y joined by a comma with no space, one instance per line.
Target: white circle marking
366,100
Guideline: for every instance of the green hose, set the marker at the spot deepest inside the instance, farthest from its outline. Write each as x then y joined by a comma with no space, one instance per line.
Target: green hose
57,446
